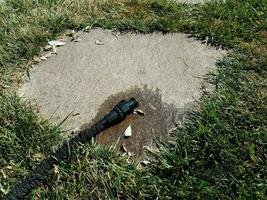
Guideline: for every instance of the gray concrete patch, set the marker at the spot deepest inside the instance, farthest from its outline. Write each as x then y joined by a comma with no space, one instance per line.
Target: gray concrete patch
84,75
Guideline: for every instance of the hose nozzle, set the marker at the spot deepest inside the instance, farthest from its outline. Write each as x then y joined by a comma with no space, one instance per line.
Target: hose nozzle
119,112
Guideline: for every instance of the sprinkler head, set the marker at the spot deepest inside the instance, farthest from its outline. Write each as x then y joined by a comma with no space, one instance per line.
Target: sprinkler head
119,112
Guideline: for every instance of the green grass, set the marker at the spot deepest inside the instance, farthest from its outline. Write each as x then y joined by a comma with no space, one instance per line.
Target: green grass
221,153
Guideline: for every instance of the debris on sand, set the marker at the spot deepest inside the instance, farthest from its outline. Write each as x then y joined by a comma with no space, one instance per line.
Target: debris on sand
139,112
100,42
56,43
128,132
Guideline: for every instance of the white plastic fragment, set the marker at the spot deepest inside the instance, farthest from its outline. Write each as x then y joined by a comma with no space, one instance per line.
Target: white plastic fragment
56,43
128,131
99,42
139,112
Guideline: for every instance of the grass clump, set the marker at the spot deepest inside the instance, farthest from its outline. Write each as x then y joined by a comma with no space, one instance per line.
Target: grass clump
95,173
221,153
25,138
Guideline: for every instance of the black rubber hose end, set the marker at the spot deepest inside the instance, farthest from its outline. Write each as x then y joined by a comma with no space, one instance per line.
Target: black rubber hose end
119,113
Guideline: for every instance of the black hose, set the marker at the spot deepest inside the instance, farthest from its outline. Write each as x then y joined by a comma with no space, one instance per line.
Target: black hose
118,114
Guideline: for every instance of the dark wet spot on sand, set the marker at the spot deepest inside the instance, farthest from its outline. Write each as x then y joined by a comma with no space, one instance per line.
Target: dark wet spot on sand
159,118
